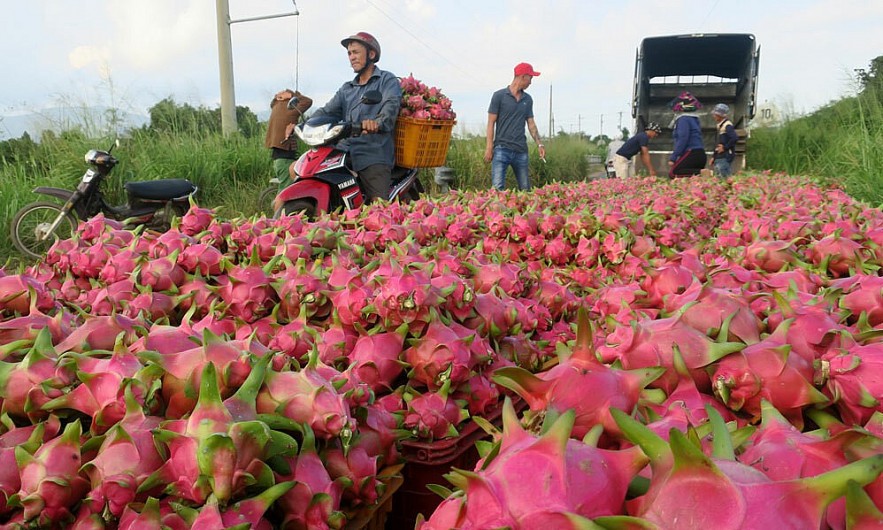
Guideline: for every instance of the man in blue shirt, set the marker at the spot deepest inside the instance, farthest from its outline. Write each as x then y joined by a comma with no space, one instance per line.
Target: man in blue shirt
623,164
373,153
510,109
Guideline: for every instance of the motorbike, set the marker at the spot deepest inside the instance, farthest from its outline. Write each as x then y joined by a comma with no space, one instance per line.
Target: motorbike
323,178
37,226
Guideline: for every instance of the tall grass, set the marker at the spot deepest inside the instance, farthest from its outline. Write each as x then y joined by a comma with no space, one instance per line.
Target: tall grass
839,143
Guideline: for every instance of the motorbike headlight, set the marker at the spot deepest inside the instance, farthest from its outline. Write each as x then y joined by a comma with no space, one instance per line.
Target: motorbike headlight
90,156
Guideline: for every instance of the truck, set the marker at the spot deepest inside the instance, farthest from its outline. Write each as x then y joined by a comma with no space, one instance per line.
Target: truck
716,68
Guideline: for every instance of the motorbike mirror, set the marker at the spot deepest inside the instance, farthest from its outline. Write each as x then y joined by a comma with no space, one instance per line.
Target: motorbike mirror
372,97
292,103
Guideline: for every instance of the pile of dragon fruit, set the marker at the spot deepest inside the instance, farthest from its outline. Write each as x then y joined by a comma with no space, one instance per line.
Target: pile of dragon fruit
690,352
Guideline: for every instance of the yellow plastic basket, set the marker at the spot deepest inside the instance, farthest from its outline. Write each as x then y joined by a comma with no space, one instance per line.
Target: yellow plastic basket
422,143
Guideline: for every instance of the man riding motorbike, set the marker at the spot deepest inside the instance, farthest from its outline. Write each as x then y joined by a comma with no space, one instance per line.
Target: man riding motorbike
373,153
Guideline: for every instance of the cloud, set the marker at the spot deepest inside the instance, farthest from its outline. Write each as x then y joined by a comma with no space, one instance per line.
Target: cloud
84,56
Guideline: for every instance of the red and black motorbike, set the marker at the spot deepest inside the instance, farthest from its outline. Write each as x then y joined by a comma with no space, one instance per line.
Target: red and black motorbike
323,177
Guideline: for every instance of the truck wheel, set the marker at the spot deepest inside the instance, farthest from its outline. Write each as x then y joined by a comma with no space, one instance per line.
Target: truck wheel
32,222
295,207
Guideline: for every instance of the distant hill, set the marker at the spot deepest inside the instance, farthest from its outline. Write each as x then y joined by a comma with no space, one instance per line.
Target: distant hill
92,119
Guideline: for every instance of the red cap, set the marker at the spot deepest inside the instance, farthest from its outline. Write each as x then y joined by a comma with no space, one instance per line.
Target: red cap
525,69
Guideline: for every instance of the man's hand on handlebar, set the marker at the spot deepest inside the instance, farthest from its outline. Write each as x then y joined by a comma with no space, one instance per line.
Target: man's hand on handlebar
370,127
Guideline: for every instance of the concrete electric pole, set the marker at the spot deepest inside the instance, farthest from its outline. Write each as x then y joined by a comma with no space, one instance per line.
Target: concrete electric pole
225,61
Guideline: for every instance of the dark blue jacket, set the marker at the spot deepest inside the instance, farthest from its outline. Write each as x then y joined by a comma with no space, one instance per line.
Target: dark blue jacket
687,135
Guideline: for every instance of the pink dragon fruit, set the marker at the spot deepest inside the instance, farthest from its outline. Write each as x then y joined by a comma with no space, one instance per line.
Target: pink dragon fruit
784,453
375,358
50,481
433,415
211,452
26,386
850,378
404,296
359,469
247,291
767,370
246,513
314,501
580,482
690,489
28,438
19,292
651,343
310,397
440,355
102,385
581,383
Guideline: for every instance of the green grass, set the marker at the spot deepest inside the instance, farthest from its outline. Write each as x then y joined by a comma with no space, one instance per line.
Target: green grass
838,143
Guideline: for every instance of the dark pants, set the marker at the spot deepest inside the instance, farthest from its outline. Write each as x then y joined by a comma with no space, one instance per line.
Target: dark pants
689,164
375,181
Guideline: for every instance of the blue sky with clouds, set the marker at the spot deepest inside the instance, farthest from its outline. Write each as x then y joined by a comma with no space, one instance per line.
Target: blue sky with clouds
131,54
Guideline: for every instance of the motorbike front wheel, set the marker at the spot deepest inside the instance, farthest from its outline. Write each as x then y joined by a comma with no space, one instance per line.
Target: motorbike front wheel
265,200
31,224
295,207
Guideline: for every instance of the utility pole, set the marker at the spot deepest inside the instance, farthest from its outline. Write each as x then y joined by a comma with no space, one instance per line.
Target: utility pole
602,126
225,65
579,123
225,61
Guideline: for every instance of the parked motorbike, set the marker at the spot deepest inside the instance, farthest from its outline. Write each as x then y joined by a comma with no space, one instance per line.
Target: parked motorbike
151,203
323,178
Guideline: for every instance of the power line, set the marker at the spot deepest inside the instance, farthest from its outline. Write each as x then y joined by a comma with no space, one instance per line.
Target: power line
421,41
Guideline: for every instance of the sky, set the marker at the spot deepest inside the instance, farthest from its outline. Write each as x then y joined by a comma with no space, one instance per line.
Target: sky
131,54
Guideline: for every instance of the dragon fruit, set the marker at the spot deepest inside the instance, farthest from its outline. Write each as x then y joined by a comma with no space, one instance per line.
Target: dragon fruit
581,383
783,453
210,452
311,397
28,438
314,501
850,377
691,490
433,415
102,385
580,482
26,386
443,353
247,513
375,358
651,342
50,480
767,370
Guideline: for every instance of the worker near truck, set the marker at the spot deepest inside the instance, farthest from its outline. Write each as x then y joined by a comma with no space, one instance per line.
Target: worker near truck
623,165
510,109
688,157
725,146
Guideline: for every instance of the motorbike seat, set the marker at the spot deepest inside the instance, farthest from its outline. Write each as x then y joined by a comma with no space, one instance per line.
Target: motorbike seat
160,189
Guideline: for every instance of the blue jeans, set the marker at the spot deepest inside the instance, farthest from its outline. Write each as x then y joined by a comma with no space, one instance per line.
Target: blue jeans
722,168
503,158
